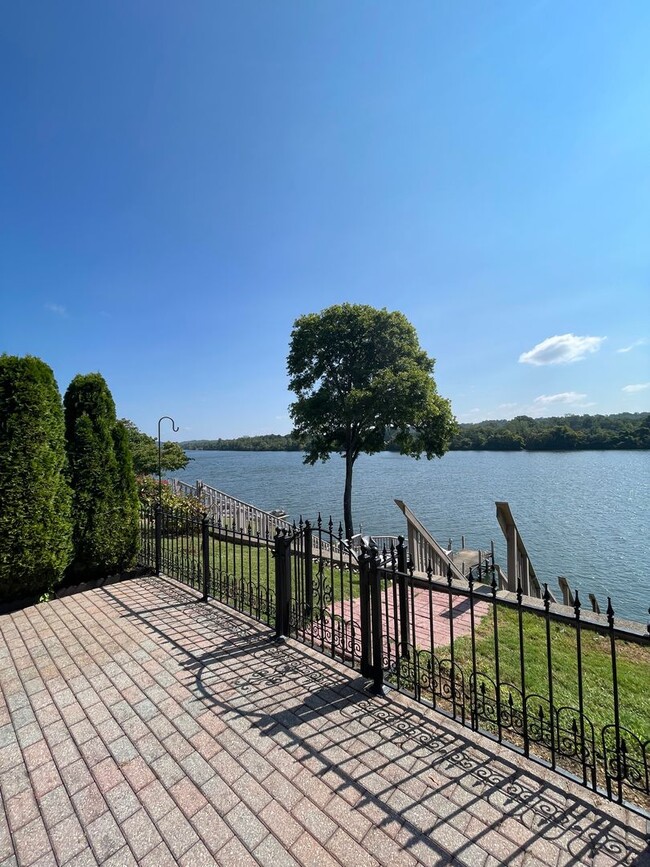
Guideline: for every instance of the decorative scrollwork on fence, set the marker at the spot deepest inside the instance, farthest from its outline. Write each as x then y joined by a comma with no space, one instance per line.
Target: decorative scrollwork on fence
329,630
540,721
430,678
183,566
244,594
576,738
497,708
342,635
322,596
563,732
626,758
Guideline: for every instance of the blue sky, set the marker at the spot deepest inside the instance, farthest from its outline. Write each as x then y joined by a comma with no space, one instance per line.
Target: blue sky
180,181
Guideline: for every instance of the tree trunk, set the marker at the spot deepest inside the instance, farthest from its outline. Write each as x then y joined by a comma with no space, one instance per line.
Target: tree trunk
347,497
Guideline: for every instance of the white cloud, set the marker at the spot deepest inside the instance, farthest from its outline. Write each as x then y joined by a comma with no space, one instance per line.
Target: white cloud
566,397
57,309
632,389
561,349
507,406
641,342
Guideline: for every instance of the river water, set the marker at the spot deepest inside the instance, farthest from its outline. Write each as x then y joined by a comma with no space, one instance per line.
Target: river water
584,515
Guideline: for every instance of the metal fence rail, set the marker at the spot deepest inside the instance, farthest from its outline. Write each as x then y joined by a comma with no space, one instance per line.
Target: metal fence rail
235,567
543,678
549,681
324,591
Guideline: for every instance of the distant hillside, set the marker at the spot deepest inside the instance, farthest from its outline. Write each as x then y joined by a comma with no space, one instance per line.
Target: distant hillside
560,433
262,443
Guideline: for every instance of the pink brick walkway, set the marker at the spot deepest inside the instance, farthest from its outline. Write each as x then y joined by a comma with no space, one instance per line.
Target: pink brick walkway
140,727
421,615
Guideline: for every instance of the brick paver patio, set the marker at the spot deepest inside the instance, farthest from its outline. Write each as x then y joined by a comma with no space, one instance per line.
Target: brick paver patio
139,726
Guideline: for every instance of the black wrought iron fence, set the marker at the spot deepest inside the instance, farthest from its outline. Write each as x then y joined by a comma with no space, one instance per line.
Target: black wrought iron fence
233,566
324,591
564,687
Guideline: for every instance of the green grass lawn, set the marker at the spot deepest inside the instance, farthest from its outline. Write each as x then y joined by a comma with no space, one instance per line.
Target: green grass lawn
632,660
236,560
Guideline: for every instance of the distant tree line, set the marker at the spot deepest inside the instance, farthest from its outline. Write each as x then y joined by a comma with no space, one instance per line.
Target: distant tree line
262,443
559,433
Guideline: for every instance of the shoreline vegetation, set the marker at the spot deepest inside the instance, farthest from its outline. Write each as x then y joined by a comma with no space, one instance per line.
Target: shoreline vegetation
558,433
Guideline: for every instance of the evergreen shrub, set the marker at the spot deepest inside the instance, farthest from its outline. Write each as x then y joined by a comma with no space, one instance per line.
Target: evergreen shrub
105,501
35,525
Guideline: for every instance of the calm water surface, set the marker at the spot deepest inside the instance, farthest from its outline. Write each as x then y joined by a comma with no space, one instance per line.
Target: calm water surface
584,515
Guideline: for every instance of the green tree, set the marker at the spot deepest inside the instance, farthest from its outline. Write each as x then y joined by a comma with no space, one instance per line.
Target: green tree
105,503
35,528
642,433
144,449
359,375
504,441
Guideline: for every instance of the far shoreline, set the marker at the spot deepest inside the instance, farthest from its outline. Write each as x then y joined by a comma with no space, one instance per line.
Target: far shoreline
570,433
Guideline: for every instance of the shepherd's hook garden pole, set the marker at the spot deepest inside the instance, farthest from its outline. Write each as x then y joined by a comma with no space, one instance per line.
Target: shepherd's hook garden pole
175,429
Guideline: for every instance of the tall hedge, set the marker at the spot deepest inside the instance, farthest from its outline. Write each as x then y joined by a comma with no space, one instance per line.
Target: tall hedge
35,527
105,502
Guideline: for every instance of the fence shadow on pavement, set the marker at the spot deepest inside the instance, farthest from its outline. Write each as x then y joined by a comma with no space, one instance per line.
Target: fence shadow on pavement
446,792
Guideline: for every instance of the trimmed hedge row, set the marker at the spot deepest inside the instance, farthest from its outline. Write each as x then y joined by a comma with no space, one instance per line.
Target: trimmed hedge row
35,497
68,499
100,470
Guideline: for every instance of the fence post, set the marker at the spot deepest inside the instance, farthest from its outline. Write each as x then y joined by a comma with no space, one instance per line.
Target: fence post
205,546
364,612
377,687
403,597
282,582
309,572
158,536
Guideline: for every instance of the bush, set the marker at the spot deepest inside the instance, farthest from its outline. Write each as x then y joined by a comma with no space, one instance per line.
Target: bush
35,526
104,505
129,508
179,510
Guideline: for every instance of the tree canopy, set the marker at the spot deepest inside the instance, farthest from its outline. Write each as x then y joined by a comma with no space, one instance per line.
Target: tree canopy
360,375
144,449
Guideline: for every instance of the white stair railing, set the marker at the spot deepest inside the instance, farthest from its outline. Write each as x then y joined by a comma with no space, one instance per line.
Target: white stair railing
238,515
425,551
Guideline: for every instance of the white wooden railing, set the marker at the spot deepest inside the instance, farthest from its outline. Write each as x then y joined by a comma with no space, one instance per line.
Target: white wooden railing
238,515
425,552
519,569
231,512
